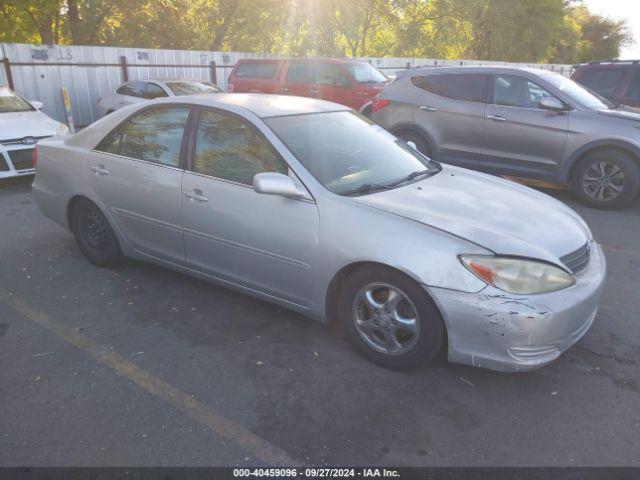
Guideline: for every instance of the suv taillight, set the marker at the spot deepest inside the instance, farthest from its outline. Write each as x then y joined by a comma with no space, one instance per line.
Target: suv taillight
230,88
378,104
34,156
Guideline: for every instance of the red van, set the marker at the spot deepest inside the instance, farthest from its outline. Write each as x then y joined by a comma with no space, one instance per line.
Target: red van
348,82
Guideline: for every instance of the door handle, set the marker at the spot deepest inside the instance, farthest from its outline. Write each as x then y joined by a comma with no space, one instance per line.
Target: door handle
196,195
284,90
313,91
428,109
100,170
496,118
362,94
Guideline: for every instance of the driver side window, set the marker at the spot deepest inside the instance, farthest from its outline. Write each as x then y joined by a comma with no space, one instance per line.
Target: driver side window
514,91
231,149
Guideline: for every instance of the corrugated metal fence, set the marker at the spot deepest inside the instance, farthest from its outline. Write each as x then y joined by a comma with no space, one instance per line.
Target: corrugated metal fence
40,71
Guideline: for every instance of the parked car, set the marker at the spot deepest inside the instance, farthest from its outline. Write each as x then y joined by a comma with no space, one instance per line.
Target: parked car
141,90
310,205
616,80
22,125
347,82
527,123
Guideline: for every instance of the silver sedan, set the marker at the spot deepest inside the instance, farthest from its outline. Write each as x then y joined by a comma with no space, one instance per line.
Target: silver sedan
309,205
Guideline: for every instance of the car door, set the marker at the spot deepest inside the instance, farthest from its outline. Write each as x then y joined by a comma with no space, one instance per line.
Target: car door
299,79
334,84
136,172
450,108
520,138
262,242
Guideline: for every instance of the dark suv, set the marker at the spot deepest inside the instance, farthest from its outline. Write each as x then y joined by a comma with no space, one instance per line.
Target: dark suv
616,80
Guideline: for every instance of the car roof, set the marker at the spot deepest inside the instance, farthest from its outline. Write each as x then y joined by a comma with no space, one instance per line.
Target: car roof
260,104
479,69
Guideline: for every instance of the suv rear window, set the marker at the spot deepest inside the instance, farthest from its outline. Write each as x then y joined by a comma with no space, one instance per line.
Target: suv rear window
257,70
604,81
466,87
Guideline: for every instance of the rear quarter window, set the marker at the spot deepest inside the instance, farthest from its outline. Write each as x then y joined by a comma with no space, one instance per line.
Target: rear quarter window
256,70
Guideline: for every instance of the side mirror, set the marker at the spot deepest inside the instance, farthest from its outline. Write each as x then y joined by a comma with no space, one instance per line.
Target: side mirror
37,105
271,183
551,103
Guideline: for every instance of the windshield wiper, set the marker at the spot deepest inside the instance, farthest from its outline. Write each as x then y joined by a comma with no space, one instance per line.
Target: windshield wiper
411,176
366,188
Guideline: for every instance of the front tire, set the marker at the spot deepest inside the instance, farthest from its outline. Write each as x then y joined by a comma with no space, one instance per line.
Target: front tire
389,318
607,179
94,235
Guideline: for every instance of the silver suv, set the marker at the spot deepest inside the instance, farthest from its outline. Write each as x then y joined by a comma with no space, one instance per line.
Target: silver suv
520,122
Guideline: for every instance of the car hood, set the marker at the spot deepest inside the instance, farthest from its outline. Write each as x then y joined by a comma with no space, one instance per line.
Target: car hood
26,124
497,214
626,113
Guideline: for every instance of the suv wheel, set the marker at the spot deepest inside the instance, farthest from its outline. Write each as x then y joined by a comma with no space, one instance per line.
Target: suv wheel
389,318
94,236
608,179
419,141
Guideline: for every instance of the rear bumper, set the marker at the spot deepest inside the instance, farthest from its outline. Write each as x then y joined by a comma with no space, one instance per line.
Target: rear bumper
510,333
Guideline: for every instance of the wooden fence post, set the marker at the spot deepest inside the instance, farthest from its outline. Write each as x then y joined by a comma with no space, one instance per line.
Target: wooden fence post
213,74
125,70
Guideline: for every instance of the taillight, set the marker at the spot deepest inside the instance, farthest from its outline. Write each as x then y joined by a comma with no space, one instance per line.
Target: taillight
378,104
34,156
230,88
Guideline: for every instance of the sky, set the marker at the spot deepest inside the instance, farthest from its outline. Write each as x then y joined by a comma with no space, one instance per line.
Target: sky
628,9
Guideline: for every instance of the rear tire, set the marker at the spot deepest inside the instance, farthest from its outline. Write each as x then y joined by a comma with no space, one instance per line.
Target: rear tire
417,139
389,318
607,179
94,235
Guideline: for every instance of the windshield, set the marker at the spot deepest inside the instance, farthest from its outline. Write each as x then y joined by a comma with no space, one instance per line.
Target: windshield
10,102
344,150
577,92
192,88
365,73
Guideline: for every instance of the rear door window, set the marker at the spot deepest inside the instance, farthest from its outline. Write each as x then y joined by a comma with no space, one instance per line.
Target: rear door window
257,69
465,87
301,72
604,81
133,89
154,135
154,91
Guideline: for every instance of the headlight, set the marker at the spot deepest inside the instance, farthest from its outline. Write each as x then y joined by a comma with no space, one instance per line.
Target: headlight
517,275
62,129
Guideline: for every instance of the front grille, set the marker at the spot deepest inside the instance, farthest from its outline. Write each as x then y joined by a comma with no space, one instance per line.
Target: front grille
21,159
576,261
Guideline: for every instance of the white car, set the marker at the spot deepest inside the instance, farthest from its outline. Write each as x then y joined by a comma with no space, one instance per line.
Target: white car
22,124
142,90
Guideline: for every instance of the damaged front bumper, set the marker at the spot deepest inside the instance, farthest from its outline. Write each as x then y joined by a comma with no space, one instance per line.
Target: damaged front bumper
507,332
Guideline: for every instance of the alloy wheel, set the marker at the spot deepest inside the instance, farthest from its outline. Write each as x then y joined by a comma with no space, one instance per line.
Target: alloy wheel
603,181
386,319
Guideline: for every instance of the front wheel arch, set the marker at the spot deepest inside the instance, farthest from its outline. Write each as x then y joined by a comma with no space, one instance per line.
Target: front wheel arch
597,149
331,297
